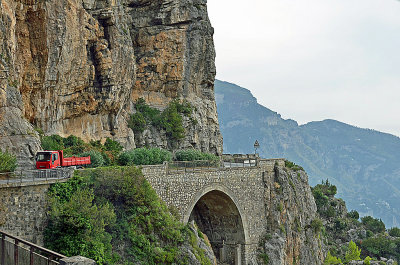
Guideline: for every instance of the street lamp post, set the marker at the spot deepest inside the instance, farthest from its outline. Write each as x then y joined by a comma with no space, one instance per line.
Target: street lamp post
256,146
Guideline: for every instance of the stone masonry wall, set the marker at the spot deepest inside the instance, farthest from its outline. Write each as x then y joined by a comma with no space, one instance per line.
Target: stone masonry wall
274,202
245,186
23,209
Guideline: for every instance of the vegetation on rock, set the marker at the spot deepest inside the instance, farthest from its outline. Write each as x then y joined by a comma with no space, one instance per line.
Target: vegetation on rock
8,162
105,207
144,156
170,120
346,237
193,154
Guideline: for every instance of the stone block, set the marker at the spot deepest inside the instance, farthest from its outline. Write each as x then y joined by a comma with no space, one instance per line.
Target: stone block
77,260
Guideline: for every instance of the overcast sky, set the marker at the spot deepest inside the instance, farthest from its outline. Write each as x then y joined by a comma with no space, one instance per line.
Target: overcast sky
314,59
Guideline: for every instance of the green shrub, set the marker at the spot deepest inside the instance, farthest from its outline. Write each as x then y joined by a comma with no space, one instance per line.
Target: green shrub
321,199
137,122
369,233
169,120
367,260
326,188
340,225
76,224
381,246
72,141
316,225
144,156
353,215
394,231
330,260
292,165
331,212
96,158
373,224
193,154
113,146
353,252
143,225
8,162
53,142
172,121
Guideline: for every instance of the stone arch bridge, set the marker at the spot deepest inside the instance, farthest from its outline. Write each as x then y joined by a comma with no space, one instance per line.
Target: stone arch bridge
228,204
231,205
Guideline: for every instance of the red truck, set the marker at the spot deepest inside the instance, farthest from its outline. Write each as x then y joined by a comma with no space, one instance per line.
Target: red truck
54,159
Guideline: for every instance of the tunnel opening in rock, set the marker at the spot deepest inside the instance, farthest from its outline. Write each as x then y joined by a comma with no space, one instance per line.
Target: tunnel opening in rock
217,216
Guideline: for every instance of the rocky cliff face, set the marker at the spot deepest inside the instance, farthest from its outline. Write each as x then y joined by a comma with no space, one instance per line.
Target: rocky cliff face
293,228
76,67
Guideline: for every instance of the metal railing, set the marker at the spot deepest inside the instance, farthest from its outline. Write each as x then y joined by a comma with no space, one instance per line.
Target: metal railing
23,176
177,167
14,250
240,163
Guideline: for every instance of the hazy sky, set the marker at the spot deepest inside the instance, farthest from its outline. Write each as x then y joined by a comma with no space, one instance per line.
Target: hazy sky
314,59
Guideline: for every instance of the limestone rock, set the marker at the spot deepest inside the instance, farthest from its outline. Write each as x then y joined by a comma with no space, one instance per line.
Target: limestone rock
76,67
291,211
174,45
202,244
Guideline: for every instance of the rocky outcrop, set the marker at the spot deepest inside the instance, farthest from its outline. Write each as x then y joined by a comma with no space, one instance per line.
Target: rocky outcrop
175,58
293,228
17,135
77,66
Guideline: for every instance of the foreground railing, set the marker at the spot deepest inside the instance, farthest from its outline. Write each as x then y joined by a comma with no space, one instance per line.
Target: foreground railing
14,250
35,175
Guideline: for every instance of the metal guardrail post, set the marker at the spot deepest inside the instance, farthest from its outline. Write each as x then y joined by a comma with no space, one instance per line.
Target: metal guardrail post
3,241
31,256
16,251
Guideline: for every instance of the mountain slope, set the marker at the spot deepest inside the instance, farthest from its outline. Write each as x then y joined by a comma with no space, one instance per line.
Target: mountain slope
363,163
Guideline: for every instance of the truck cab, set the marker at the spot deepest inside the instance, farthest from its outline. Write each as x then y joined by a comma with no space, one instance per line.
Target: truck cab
47,160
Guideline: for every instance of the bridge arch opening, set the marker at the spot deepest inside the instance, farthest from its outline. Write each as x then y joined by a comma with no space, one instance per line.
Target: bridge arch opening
218,217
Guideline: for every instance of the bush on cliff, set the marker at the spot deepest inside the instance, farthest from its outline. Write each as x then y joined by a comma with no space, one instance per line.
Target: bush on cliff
144,156
331,260
193,154
373,224
170,120
381,246
395,232
353,253
129,215
8,162
76,223
96,158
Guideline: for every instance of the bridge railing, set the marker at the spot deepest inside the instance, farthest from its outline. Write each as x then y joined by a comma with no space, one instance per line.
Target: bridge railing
240,163
35,175
176,167
14,250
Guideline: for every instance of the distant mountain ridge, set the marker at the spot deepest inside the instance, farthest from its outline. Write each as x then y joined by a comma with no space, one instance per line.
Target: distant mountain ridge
363,163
